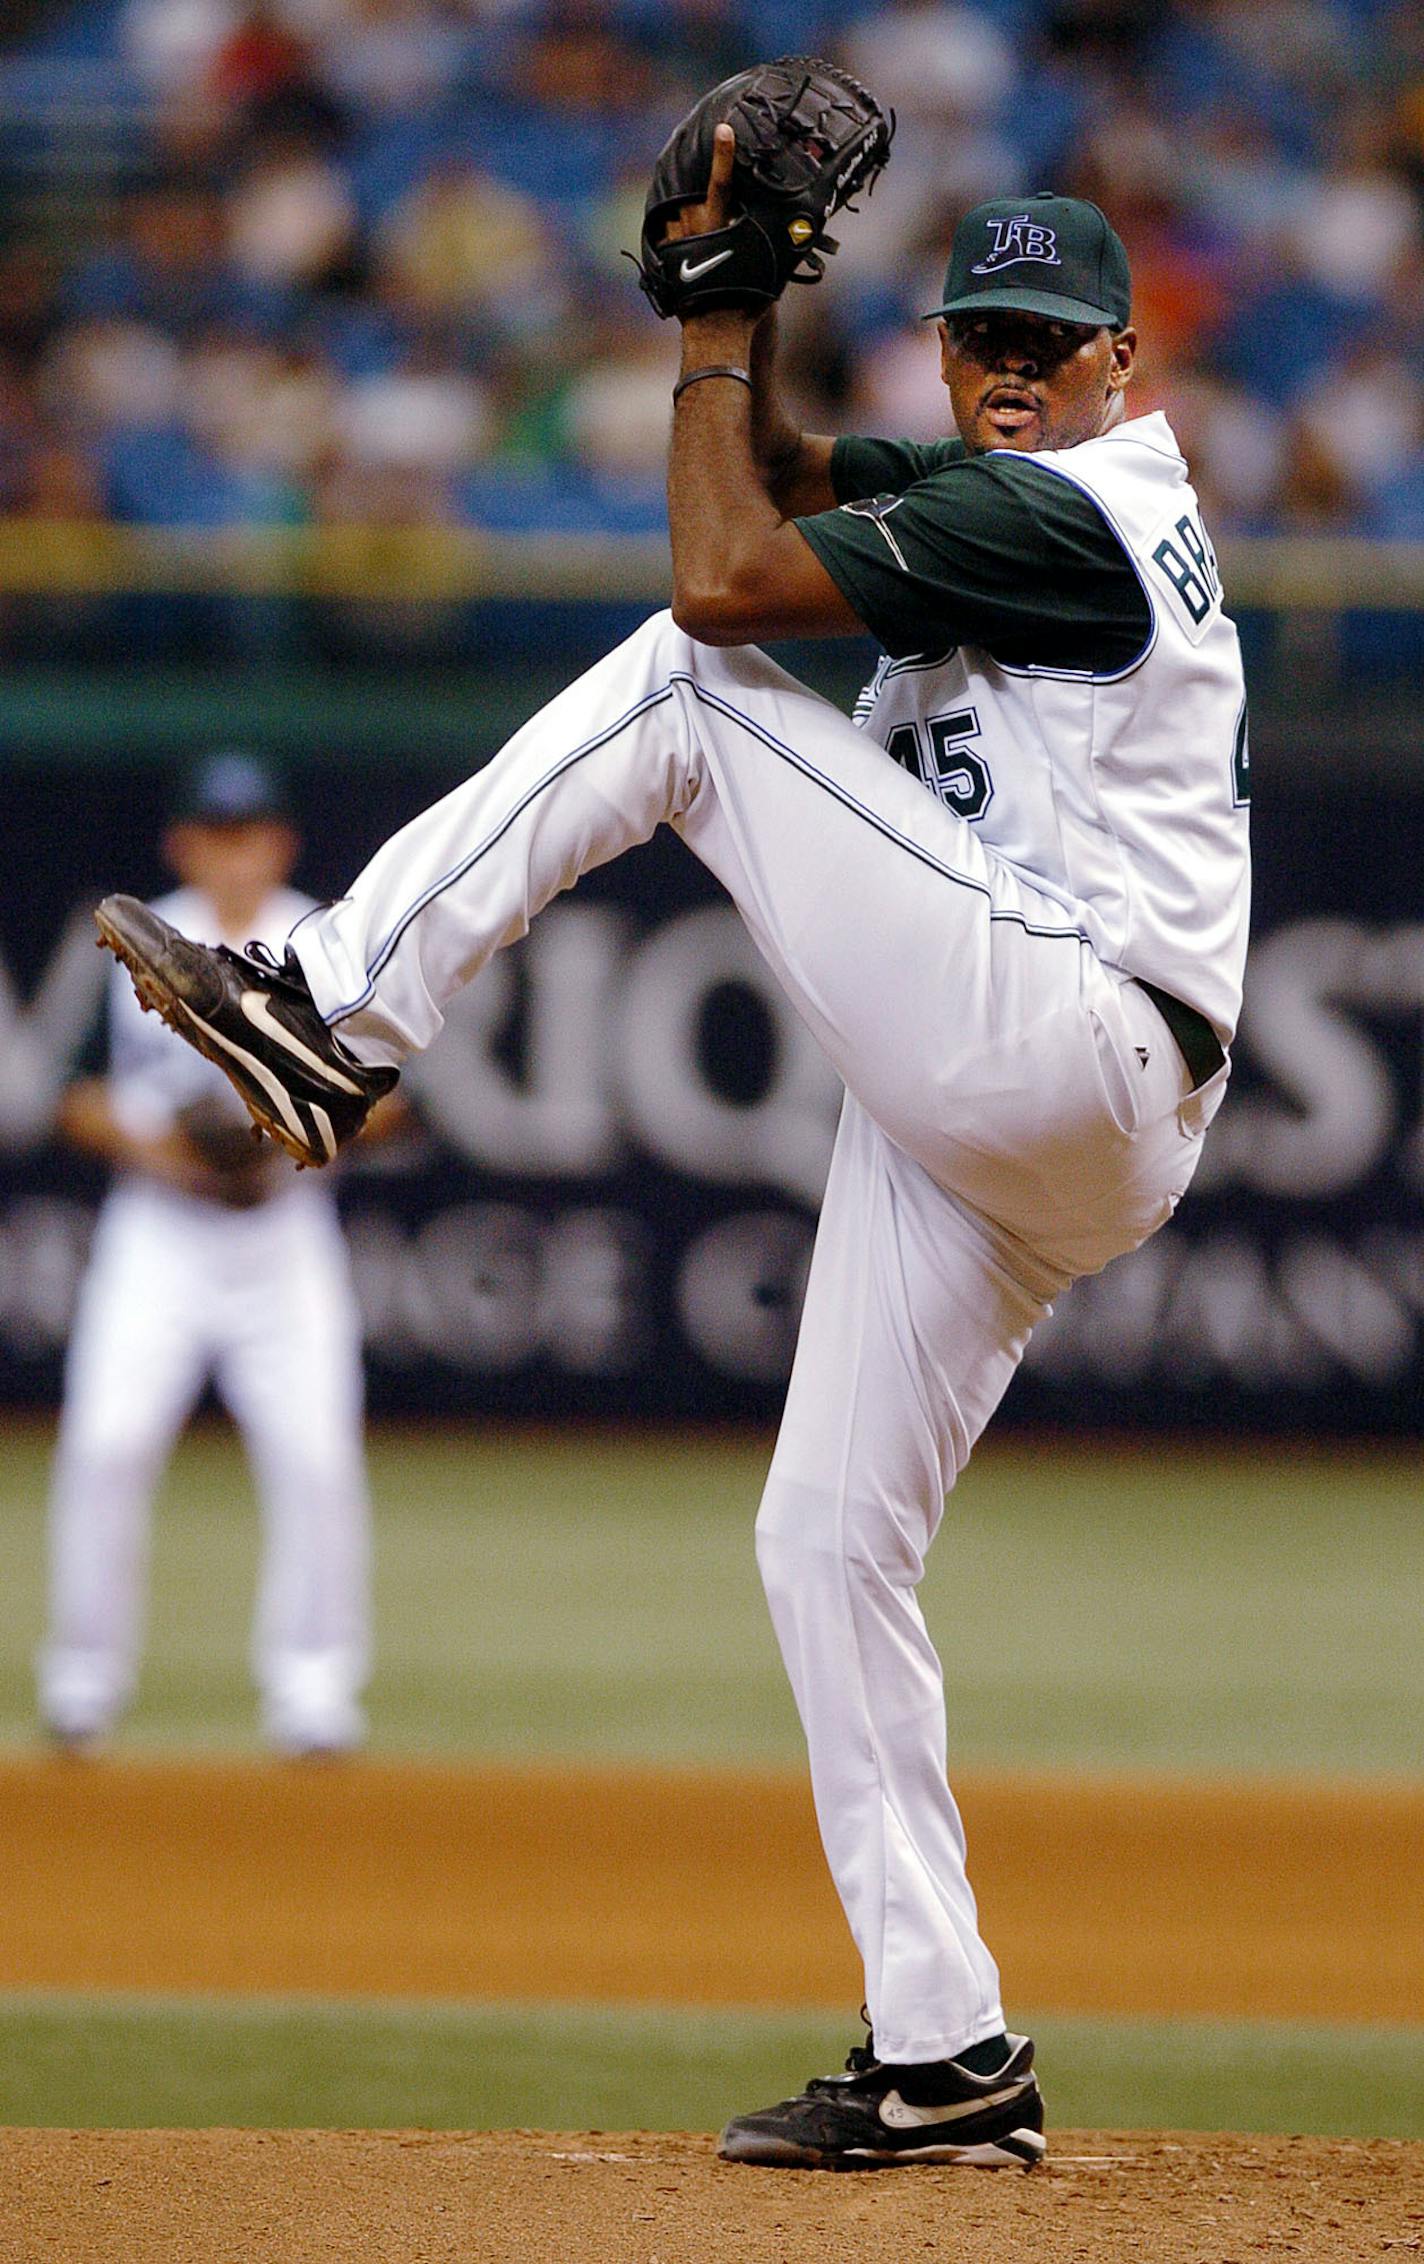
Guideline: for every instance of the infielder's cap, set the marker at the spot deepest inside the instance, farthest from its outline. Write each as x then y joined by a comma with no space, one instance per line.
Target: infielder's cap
1043,254
231,787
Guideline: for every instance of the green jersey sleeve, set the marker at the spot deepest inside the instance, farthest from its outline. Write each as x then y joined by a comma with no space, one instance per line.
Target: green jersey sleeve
862,467
936,548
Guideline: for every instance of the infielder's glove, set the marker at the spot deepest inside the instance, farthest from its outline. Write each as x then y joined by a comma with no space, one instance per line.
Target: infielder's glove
238,1169
808,137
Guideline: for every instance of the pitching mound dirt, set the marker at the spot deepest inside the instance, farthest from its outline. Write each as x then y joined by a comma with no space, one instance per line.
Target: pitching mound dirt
539,2197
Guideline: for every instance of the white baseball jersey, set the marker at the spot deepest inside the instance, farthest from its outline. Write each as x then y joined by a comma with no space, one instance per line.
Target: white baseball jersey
1118,787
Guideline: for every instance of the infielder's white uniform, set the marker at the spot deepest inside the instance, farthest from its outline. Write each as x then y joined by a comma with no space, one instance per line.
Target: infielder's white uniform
180,1288
1017,1112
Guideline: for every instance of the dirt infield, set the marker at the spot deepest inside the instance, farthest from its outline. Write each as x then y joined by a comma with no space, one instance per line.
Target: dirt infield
1101,1895
384,1879
519,2197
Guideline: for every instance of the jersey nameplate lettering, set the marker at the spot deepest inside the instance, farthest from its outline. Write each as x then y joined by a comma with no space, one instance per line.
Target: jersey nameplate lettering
1186,562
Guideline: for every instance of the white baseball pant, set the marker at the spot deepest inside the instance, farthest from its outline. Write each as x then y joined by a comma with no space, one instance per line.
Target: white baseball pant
1000,1135
179,1289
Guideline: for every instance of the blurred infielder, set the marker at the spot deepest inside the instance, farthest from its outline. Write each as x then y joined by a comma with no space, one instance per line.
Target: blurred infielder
211,1257
1020,940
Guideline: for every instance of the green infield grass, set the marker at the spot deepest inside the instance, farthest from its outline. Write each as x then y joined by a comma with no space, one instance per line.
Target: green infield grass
170,2062
590,1593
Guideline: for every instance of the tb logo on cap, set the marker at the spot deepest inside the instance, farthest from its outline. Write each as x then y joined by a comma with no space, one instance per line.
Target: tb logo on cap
1018,239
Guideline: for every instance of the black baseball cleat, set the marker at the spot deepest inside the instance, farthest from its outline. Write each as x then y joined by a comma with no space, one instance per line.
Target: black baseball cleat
255,1017
879,2114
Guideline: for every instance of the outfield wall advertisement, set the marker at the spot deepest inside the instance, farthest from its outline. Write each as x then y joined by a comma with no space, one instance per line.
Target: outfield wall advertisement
608,1203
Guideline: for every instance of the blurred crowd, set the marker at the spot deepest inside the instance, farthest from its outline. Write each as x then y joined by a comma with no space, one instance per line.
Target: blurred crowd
360,260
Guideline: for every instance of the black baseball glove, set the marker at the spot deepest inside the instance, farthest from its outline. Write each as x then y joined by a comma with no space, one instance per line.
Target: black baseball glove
808,137
238,1169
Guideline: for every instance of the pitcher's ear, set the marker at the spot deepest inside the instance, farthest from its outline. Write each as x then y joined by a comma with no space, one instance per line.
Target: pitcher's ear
1124,359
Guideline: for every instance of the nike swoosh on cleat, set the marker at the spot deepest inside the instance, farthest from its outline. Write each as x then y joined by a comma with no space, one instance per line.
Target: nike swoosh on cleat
264,1078
1019,2150
258,1009
323,1124
690,271
897,2113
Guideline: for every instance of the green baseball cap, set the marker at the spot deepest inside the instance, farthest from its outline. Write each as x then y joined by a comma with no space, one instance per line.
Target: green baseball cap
1044,254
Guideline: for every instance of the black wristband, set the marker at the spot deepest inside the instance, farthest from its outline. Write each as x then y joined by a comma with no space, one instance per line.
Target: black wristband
713,369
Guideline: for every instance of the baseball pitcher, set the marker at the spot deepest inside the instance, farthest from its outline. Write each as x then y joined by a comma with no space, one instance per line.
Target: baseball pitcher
1010,900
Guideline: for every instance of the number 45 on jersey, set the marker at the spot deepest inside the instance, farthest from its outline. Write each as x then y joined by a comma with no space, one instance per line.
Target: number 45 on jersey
944,760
